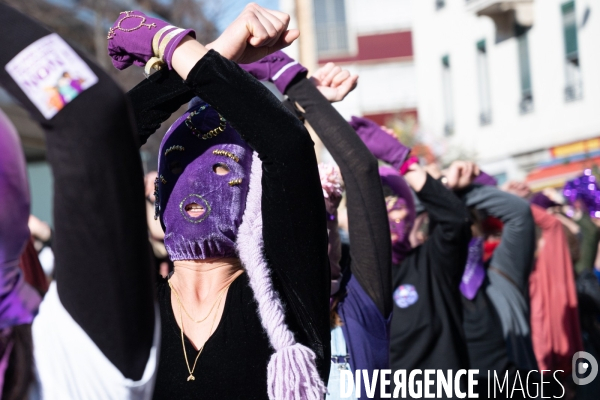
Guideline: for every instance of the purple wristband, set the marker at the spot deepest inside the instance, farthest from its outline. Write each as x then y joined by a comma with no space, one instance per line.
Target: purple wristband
411,160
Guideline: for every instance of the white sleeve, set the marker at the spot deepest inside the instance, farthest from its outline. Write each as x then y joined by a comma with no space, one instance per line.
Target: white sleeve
70,366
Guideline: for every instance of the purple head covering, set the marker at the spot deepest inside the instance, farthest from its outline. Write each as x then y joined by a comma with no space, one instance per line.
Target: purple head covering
399,229
226,220
18,301
543,201
201,210
584,188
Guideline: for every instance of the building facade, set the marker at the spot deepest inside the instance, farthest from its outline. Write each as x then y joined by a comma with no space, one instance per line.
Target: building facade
514,84
370,38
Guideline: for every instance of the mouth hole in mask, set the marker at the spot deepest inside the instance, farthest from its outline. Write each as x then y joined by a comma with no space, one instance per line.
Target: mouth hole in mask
175,167
194,210
397,215
220,169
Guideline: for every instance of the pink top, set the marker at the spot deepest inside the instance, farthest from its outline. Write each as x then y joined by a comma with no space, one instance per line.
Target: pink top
554,317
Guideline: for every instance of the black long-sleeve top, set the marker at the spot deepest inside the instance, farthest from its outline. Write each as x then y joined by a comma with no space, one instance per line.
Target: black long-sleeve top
294,220
102,259
367,216
426,330
367,301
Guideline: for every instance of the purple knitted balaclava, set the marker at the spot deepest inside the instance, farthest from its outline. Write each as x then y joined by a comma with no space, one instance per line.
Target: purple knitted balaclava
204,169
401,229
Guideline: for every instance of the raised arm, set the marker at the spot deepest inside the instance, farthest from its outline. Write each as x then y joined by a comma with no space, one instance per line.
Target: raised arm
514,256
448,216
103,273
451,227
155,99
367,216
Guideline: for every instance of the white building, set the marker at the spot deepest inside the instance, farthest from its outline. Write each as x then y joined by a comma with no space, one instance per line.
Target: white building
371,38
511,83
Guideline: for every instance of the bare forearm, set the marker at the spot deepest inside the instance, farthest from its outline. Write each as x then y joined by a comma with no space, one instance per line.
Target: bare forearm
186,55
416,177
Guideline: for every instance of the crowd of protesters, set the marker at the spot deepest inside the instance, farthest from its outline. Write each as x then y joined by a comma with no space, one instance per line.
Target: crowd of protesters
235,278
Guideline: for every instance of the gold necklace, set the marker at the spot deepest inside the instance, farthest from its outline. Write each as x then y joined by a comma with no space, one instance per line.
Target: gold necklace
188,314
191,370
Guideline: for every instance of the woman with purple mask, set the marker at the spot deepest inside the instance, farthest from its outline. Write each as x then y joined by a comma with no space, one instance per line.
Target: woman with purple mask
426,329
96,335
244,314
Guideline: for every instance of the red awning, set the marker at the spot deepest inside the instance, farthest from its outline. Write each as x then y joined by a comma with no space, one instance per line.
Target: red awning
558,175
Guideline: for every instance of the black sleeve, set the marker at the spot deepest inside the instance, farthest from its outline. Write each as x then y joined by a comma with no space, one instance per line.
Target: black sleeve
154,100
450,229
100,244
293,208
369,229
514,254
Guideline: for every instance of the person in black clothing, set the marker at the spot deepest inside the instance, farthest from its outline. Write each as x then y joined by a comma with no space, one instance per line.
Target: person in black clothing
426,330
95,336
496,312
361,299
210,199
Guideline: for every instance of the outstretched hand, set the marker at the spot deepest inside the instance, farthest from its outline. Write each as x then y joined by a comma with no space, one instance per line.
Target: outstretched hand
255,33
333,82
519,189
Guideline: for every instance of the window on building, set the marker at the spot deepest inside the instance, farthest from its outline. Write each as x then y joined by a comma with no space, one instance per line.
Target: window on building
448,98
573,85
526,102
331,28
485,102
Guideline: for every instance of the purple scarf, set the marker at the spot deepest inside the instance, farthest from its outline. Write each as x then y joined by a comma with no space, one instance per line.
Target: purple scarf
474,270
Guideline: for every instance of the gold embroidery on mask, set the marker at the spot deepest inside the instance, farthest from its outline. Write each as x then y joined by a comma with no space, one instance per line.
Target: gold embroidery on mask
227,154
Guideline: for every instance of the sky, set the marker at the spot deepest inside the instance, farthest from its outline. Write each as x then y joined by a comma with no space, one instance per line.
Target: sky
232,8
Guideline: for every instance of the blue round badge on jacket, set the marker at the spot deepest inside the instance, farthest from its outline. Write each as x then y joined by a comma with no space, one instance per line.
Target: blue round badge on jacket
405,295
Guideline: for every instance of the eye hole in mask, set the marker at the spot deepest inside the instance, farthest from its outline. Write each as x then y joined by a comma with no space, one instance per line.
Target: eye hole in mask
175,167
220,169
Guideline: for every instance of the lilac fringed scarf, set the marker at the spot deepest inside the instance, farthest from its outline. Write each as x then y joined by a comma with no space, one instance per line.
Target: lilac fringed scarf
292,371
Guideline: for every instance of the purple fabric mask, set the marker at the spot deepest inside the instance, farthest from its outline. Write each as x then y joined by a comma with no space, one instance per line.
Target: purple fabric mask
201,210
401,245
474,270
18,301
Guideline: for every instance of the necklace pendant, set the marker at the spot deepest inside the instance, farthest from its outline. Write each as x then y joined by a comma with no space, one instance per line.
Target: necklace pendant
191,378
